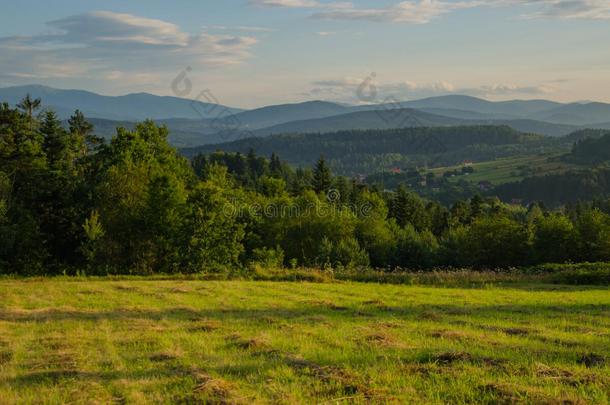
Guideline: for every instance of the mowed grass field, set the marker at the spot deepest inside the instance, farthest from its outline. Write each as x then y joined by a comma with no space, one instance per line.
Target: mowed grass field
508,170
131,341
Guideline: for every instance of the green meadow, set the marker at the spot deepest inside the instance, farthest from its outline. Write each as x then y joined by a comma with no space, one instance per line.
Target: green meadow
511,169
180,341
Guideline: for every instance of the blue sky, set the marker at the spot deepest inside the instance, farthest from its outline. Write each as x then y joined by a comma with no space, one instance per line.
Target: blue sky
249,53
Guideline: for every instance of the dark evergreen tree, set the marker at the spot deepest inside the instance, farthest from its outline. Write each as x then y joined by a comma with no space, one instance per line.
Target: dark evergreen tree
322,176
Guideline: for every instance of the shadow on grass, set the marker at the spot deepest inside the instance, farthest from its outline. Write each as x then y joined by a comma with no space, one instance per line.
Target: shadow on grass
308,313
56,376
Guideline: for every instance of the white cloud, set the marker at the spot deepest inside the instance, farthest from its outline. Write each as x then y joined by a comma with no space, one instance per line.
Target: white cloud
571,9
244,28
424,11
350,90
301,4
103,44
415,12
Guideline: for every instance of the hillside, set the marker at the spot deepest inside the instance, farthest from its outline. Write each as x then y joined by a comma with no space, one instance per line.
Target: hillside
365,120
131,107
369,151
588,114
278,114
508,109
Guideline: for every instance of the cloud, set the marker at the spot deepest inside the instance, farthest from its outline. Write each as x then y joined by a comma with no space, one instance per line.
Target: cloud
103,44
415,12
508,89
286,3
424,11
301,4
350,90
571,9
243,28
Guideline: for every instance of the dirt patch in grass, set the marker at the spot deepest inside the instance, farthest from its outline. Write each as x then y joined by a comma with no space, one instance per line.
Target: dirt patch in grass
89,292
125,288
380,338
55,354
6,355
374,303
327,304
512,394
180,290
591,360
162,357
516,331
205,326
251,344
450,334
348,383
211,390
388,325
556,341
450,358
429,316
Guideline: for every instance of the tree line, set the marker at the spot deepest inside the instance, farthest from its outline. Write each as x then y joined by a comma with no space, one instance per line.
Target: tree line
70,202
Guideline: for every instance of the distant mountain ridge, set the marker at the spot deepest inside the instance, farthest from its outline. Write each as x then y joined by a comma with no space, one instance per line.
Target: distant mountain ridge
130,107
195,123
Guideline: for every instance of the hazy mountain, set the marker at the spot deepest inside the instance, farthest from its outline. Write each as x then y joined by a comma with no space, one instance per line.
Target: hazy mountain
507,109
131,107
578,114
194,123
381,119
279,114
401,118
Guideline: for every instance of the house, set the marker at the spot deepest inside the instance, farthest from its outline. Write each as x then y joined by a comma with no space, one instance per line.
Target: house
485,185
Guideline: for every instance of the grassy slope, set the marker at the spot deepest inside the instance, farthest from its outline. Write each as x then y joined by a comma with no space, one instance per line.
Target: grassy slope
511,169
251,342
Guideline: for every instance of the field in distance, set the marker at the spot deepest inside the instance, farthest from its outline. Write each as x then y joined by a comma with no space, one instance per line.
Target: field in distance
511,169
132,341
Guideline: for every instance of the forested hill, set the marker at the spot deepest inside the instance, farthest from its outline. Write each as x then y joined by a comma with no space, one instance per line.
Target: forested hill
303,149
592,150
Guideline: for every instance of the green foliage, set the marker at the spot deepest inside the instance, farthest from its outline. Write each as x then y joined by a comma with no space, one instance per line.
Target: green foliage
135,205
592,149
322,176
555,239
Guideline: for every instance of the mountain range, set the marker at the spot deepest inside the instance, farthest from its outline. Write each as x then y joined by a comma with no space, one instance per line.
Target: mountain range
195,123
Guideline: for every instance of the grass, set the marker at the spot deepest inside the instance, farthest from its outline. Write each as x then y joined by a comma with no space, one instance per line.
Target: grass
193,341
512,169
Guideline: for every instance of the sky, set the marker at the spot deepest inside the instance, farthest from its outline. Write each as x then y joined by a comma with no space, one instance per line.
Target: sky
251,53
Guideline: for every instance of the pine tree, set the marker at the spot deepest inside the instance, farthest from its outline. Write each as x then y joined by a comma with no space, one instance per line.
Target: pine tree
322,176
275,166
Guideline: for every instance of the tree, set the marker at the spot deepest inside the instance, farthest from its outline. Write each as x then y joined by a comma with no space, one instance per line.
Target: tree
79,125
496,241
409,209
275,166
29,105
56,141
322,176
554,239
593,227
